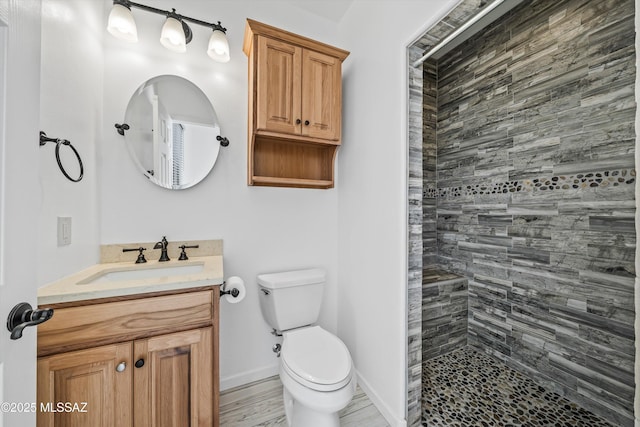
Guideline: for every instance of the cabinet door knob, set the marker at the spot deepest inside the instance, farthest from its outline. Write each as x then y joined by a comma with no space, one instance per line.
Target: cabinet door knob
298,121
121,367
306,122
139,363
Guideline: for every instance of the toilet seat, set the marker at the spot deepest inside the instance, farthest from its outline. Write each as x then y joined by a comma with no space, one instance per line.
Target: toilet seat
316,359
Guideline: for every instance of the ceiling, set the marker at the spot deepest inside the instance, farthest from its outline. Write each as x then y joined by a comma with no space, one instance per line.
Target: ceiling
330,9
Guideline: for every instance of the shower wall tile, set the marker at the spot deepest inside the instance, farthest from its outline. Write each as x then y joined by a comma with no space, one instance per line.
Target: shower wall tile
444,312
534,188
428,149
464,10
414,250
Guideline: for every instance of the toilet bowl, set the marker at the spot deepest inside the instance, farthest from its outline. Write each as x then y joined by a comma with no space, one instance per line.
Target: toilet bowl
317,375
316,369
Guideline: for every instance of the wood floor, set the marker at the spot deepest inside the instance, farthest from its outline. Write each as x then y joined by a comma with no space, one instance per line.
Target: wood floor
260,404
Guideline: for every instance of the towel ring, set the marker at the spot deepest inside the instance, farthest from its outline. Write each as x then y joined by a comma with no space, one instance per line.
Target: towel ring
44,139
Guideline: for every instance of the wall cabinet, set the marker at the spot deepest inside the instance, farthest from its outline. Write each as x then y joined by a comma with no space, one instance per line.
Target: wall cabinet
160,370
295,98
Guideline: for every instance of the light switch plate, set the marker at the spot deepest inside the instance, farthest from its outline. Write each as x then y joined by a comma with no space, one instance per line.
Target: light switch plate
64,230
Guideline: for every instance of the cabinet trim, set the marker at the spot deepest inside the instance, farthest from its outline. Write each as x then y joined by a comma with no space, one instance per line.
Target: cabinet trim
254,28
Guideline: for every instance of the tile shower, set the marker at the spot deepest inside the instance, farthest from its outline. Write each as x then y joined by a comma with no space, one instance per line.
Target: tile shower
521,200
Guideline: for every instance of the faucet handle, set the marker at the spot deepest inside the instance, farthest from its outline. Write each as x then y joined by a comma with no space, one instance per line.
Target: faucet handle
183,254
141,259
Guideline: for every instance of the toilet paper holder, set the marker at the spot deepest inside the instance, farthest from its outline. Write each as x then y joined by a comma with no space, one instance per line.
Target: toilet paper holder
233,292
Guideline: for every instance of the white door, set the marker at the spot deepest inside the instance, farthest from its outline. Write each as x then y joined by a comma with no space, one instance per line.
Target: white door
162,145
20,201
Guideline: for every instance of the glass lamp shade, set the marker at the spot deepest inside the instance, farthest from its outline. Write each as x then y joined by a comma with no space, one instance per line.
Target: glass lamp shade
218,48
121,24
172,36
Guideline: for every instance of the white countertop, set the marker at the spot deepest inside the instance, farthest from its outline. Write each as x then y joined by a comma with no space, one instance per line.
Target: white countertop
71,288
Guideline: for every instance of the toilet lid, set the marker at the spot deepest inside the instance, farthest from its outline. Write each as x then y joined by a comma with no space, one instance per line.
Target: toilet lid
316,358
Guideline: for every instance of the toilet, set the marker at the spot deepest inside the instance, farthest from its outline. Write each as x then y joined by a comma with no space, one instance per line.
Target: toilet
316,369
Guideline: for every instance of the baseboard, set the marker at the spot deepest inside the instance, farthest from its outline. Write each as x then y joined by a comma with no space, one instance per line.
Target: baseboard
386,412
248,377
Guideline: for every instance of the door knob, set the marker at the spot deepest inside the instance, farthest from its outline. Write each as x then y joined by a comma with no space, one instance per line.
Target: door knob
121,367
23,315
139,363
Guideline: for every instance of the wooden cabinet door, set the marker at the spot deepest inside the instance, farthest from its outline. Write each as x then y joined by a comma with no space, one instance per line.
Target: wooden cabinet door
84,388
174,386
278,86
321,95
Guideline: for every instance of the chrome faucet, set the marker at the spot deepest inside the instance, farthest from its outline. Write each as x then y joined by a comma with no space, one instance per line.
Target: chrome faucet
162,244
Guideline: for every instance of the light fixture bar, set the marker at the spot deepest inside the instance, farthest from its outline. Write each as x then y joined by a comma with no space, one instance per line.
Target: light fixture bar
457,32
167,12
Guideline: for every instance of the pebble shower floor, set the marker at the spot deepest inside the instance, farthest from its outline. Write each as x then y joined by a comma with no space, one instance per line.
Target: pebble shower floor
467,388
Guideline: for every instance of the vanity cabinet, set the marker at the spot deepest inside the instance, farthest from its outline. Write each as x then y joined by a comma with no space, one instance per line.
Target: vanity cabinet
142,361
295,108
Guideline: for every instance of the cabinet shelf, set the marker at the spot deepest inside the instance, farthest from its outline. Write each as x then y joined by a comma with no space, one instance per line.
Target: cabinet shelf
291,182
283,163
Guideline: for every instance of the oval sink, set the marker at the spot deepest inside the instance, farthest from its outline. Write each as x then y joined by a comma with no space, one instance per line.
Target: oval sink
142,272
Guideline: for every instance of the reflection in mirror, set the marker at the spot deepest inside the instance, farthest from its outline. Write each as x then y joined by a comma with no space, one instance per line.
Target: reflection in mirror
172,132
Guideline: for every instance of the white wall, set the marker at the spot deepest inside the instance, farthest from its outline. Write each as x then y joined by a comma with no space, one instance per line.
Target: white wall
372,236
264,229
70,108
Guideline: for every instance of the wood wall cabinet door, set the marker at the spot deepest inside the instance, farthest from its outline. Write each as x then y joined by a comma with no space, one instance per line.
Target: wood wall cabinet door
169,388
86,388
298,90
278,87
321,95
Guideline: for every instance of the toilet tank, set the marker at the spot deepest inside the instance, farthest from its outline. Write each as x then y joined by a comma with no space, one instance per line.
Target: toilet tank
291,299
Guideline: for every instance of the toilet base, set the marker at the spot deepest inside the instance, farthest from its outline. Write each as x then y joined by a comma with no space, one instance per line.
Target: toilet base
311,408
299,415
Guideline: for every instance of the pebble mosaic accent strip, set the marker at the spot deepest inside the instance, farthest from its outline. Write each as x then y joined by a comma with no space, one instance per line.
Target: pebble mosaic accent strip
468,388
600,179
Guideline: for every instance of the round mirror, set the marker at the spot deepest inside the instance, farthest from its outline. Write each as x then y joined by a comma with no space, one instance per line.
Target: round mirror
172,132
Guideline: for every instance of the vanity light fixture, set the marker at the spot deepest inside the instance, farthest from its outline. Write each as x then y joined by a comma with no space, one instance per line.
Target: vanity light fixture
176,33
